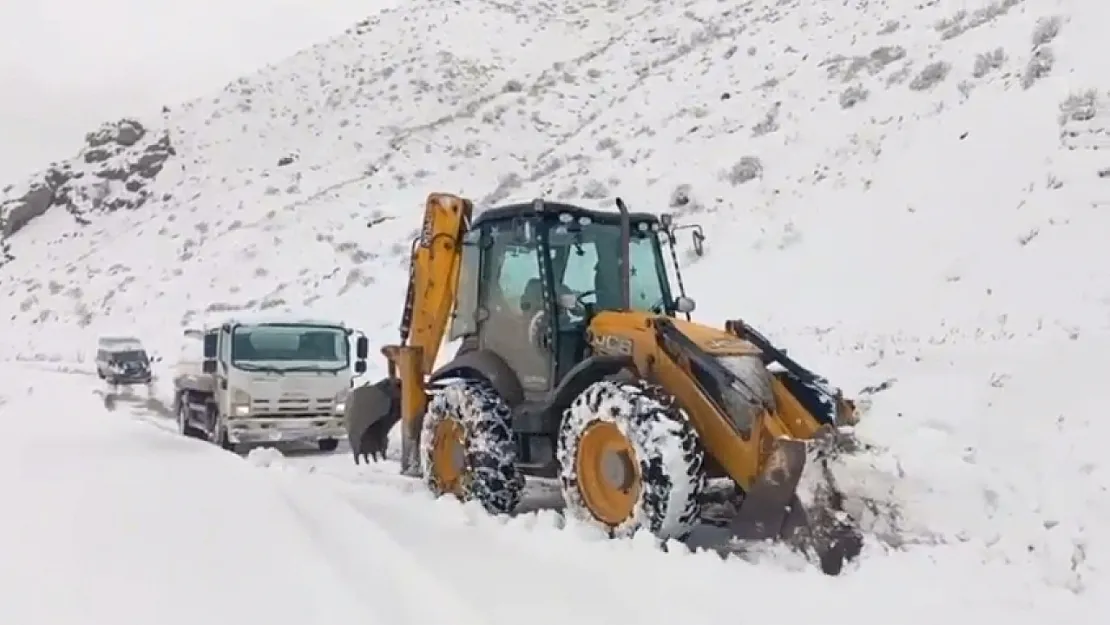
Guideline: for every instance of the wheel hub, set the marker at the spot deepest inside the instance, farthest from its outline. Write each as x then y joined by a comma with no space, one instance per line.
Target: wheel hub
608,475
617,469
449,455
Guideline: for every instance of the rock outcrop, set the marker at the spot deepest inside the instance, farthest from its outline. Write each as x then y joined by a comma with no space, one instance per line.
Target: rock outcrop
113,171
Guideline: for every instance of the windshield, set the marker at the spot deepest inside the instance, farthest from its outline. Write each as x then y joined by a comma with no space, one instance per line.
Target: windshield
289,348
129,356
587,258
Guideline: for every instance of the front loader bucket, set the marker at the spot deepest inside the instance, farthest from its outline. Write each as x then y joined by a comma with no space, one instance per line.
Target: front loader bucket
370,414
772,509
766,502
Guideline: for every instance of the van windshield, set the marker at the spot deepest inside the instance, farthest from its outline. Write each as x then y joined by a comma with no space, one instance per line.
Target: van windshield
291,347
129,356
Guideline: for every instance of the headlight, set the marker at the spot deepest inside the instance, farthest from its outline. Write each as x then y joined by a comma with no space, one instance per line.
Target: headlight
240,402
341,401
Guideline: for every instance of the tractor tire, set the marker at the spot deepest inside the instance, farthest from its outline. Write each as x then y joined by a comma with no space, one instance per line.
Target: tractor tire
327,445
467,447
629,459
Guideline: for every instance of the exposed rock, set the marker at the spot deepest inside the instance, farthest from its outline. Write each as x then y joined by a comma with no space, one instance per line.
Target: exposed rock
110,173
16,214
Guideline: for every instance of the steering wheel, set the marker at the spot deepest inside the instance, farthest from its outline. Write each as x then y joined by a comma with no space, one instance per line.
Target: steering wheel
537,330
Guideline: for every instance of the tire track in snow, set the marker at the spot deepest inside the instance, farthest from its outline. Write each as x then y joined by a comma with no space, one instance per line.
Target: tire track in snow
513,578
394,586
386,576
409,559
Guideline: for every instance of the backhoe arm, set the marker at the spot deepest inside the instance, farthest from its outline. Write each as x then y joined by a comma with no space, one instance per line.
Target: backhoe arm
433,282
434,276
435,263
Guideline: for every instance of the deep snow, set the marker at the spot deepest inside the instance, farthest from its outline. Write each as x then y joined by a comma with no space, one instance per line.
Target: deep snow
887,194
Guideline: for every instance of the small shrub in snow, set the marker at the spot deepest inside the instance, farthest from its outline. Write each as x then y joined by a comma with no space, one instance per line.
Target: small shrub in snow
769,124
1043,59
746,169
1039,66
595,190
1079,107
930,76
680,197
889,27
1046,30
852,96
987,62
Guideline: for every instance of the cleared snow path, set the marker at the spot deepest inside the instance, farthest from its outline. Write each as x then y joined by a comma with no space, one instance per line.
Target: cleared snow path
113,520
109,520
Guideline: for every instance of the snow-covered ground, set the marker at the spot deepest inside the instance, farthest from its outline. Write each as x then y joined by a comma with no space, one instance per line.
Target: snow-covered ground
908,197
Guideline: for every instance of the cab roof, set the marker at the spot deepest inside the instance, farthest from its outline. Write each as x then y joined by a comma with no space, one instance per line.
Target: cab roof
528,209
264,318
119,344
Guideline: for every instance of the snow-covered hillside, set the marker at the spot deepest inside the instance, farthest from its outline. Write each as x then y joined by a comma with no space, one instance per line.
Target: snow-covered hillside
66,66
913,198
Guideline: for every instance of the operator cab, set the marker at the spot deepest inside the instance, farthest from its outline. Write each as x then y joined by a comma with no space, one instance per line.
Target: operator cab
526,264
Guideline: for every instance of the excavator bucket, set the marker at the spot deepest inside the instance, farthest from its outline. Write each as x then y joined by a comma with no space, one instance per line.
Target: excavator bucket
371,412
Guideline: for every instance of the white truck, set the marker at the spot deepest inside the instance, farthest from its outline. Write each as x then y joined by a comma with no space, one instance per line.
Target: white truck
268,381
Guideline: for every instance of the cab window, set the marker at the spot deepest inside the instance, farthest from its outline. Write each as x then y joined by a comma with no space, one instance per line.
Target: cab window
513,268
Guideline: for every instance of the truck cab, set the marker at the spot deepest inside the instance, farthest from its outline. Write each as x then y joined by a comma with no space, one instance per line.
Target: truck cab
271,381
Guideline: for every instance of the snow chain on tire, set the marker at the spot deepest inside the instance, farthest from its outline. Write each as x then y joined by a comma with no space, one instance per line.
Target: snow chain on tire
492,477
670,458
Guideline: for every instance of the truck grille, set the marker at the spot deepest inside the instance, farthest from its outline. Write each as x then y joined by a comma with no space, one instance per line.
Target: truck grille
294,407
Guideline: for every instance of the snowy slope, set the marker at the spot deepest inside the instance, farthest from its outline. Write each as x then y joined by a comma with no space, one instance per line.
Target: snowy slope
67,66
909,195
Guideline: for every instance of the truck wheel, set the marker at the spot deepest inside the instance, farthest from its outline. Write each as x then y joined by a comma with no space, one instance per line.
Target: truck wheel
467,447
327,444
183,425
630,459
219,437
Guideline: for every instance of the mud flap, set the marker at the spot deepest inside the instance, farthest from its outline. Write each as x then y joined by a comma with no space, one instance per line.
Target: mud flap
371,412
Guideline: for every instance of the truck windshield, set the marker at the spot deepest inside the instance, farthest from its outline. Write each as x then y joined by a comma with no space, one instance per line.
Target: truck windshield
289,348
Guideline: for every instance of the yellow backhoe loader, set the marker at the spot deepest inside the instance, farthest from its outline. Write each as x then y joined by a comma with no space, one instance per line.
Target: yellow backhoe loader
578,361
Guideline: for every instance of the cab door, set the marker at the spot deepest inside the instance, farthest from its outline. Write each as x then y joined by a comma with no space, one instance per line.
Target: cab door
514,320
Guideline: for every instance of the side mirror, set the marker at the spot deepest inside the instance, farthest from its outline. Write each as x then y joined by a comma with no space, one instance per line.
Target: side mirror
208,366
210,345
699,242
685,305
362,348
360,367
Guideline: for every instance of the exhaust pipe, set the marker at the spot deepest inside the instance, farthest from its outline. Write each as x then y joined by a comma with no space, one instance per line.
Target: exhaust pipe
626,267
